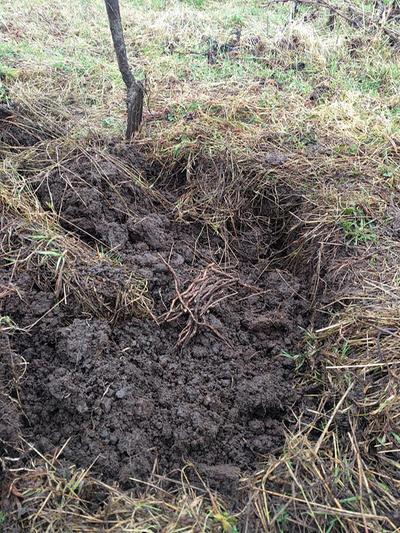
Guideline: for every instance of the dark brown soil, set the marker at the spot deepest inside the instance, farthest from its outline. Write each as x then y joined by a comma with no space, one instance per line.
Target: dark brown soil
17,130
124,392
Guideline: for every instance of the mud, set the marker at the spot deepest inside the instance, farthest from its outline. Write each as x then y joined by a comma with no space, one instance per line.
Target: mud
128,395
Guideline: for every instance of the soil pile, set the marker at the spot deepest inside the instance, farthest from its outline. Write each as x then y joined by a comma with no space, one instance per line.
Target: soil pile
205,382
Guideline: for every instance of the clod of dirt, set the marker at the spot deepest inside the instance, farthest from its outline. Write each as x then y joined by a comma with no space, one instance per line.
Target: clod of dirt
223,476
261,395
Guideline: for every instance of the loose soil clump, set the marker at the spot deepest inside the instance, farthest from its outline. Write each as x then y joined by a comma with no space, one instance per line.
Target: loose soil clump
201,378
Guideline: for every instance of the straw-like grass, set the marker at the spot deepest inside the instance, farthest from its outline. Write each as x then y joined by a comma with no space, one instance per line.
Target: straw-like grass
296,109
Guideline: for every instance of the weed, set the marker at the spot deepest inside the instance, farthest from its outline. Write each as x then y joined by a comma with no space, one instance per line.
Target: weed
282,520
111,123
109,255
7,51
236,21
7,324
357,227
195,3
298,359
226,521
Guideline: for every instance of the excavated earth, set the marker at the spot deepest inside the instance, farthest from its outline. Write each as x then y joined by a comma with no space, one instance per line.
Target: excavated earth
128,394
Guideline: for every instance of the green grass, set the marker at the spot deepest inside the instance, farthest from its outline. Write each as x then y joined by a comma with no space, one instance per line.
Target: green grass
357,227
66,50
2,519
327,100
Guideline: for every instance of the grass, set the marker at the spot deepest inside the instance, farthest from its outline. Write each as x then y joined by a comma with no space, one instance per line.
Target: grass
328,103
356,226
62,503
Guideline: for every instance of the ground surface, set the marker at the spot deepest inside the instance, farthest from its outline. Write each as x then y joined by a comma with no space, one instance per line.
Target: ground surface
127,392
223,293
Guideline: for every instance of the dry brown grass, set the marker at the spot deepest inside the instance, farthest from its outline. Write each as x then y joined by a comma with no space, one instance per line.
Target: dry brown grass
58,498
240,133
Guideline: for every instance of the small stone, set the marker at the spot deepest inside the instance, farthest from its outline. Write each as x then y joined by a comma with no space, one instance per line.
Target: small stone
121,393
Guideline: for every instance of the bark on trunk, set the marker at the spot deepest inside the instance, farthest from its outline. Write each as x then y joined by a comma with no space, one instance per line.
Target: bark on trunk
134,88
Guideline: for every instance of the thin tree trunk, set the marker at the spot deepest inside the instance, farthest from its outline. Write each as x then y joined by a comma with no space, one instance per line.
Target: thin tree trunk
134,88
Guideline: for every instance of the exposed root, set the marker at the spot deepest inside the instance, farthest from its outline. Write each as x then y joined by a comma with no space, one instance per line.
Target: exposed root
210,287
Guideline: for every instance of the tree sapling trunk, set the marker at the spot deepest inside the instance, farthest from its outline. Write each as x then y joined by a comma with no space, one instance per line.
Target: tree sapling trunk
134,88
